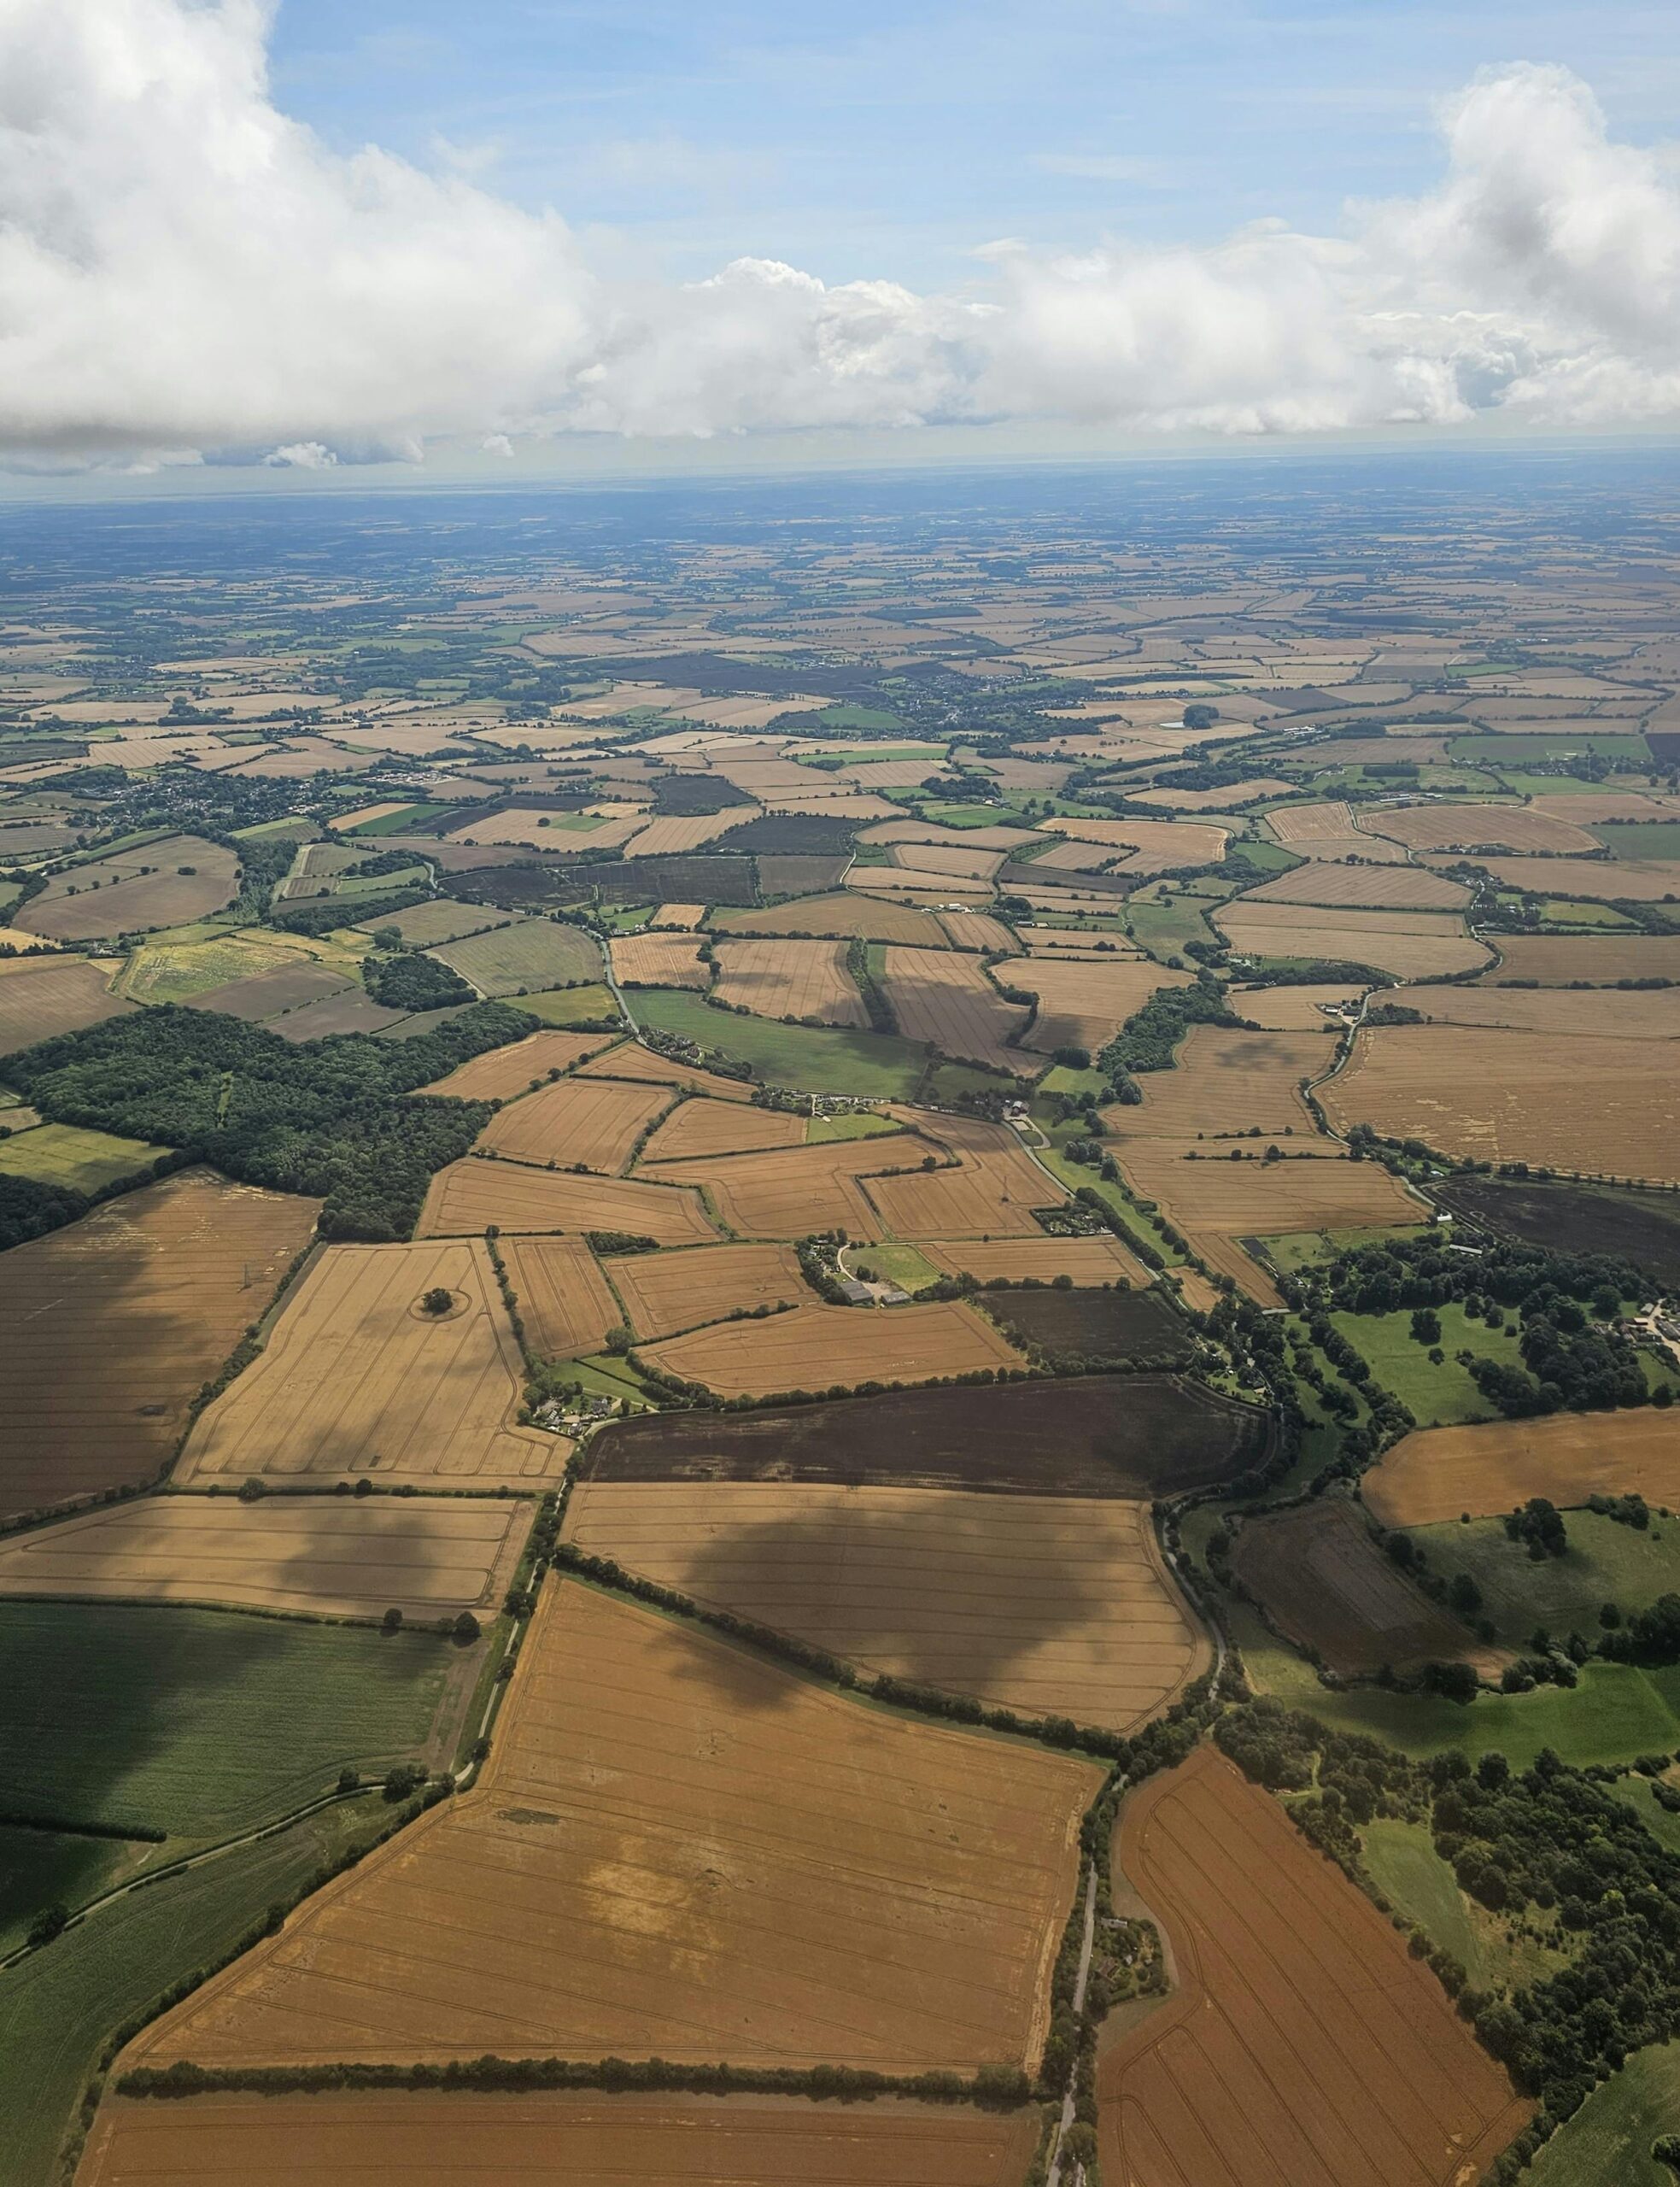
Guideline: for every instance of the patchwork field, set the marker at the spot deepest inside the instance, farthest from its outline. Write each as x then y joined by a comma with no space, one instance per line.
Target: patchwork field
1376,887
1304,2042
318,1555
1441,1472
1412,945
820,1347
943,998
702,1127
1445,827
789,1192
286,987
664,1293
658,960
1085,1260
1559,960
455,2139
789,979
991,1195
146,1296
564,1299
591,1122
1605,1106
43,996
1325,1583
359,1381
469,1196
503,1073
165,883
1054,1605
633,1062
1083,1003
1225,1084
526,956
679,1848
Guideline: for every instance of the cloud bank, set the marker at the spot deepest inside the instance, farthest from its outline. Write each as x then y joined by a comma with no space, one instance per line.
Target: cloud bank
187,274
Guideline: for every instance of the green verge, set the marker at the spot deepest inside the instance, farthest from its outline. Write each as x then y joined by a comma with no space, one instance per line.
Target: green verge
1137,1225
1400,1860
851,1123
904,1265
1607,2143
1604,1562
812,1058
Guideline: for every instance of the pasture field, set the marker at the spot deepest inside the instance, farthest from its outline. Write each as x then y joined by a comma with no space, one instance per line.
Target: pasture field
1436,1474
1053,1606
527,954
200,962
943,998
564,1299
665,1292
591,1122
1436,1395
504,1074
449,2138
1604,1562
1449,827
1083,1002
1086,1260
1614,881
1239,2076
680,1848
821,1347
1292,1010
991,1194
1599,1104
1325,1582
1115,1328
1641,1226
1370,888
113,1323
319,1555
65,1154
292,985
585,1005
1607,2141
1412,945
658,960
423,926
702,1127
131,891
469,1195
837,916
788,1192
1223,1084
359,1381
630,1060
1566,1014
811,1058
1400,1860
43,996
789,979
1126,1435
1600,960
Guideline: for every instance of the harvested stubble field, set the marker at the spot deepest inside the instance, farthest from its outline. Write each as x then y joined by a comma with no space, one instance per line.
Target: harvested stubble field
564,1299
1325,1583
43,996
942,996
1292,1010
358,1381
789,1192
469,1195
1127,1436
1559,961
1083,1002
1326,834
993,1194
1599,1104
504,1074
1085,1260
1412,945
454,2138
821,1347
1113,1327
1476,827
113,1323
1374,887
633,1062
594,1122
973,930
1052,1606
665,1292
679,1848
1225,1083
315,1556
1600,881
838,917
790,979
703,1128
1305,2043
658,960
528,955
1441,1472
1564,1013
112,895
1159,845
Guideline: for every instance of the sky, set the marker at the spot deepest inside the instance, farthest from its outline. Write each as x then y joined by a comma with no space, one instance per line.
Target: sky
526,238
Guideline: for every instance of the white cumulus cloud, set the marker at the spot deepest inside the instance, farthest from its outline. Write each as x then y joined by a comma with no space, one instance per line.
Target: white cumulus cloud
186,273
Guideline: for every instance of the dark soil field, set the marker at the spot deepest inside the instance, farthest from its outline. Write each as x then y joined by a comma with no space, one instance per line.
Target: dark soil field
796,875
677,880
793,834
515,888
1101,1435
1116,1328
1641,1227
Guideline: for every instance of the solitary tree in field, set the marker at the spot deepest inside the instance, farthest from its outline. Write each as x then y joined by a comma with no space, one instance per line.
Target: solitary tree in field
438,1300
392,1621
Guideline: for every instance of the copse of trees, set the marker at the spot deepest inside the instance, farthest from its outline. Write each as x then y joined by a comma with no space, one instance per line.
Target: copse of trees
410,981
1150,1037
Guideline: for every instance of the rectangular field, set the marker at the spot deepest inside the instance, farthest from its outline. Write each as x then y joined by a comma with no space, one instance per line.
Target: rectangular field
527,956
788,1192
658,960
1564,1013
1293,1010
113,1323
820,1347
564,1299
1085,1260
1096,1327
503,1073
1053,1606
991,1194
679,1848
1412,945
630,1060
664,1293
359,1380
1448,827
315,1556
43,996
165,883
1372,888
1441,1472
469,1195
943,997
65,1154
702,1127
1304,2044
1559,960
594,1123
1083,1002
836,917
789,979
1634,881
1225,1084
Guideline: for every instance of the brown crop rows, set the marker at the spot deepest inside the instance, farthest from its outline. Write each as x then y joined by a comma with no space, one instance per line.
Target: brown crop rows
819,1347
564,1299
1374,887
503,1073
1084,1002
679,1850
594,1122
1559,960
1305,2043
1441,1472
469,1195
790,979
703,1128
664,1293
658,960
1412,945
633,1062
943,998
43,996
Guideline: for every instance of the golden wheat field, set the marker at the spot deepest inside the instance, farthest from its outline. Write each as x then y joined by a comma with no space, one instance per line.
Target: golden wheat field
471,1195
1083,1002
594,1123
565,1302
1567,1013
1372,888
1226,1082
640,1066
1444,827
658,960
838,915
819,1347
789,1192
991,1193
41,997
1600,960
701,1128
504,1074
1409,944
789,979
1293,1010
1436,1474
664,1293
1085,1260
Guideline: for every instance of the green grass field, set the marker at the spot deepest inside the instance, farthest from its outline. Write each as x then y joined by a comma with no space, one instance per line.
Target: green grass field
849,1124
901,1264
176,968
814,1059
1604,1562
398,824
1607,2143
1163,927
1635,1791
569,1005
200,1722
47,1867
1400,1860
1437,1397
538,954
65,1154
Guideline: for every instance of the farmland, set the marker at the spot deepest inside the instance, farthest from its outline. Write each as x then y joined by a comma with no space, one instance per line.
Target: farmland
812,1059
700,1129
84,1161
632,1061
1559,960
1047,1605
361,1381
1084,1003
789,979
1275,1947
817,1348
658,960
788,1192
1115,1328
1641,1226
1604,1562
1412,945
1227,1083
664,1293
469,1195
41,996
945,999
1567,1014
1085,1260
564,1299
1372,888
503,1073
837,918
1435,1474
991,1191
528,954
148,1295
317,1556
592,1124
162,883
792,1879
1444,827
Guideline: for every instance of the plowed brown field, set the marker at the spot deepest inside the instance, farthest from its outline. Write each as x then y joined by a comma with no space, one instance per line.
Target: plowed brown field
469,1195
1604,1106
1305,2044
1086,1260
455,2139
1377,887
664,1293
942,996
319,1555
791,1191
1051,1605
1084,1002
358,1381
1412,945
1440,1473
658,960
1557,961
43,996
820,1347
790,979
564,1299
642,1067
142,888
113,1324
1227,1081
679,1848
702,1127
594,1122
503,1073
